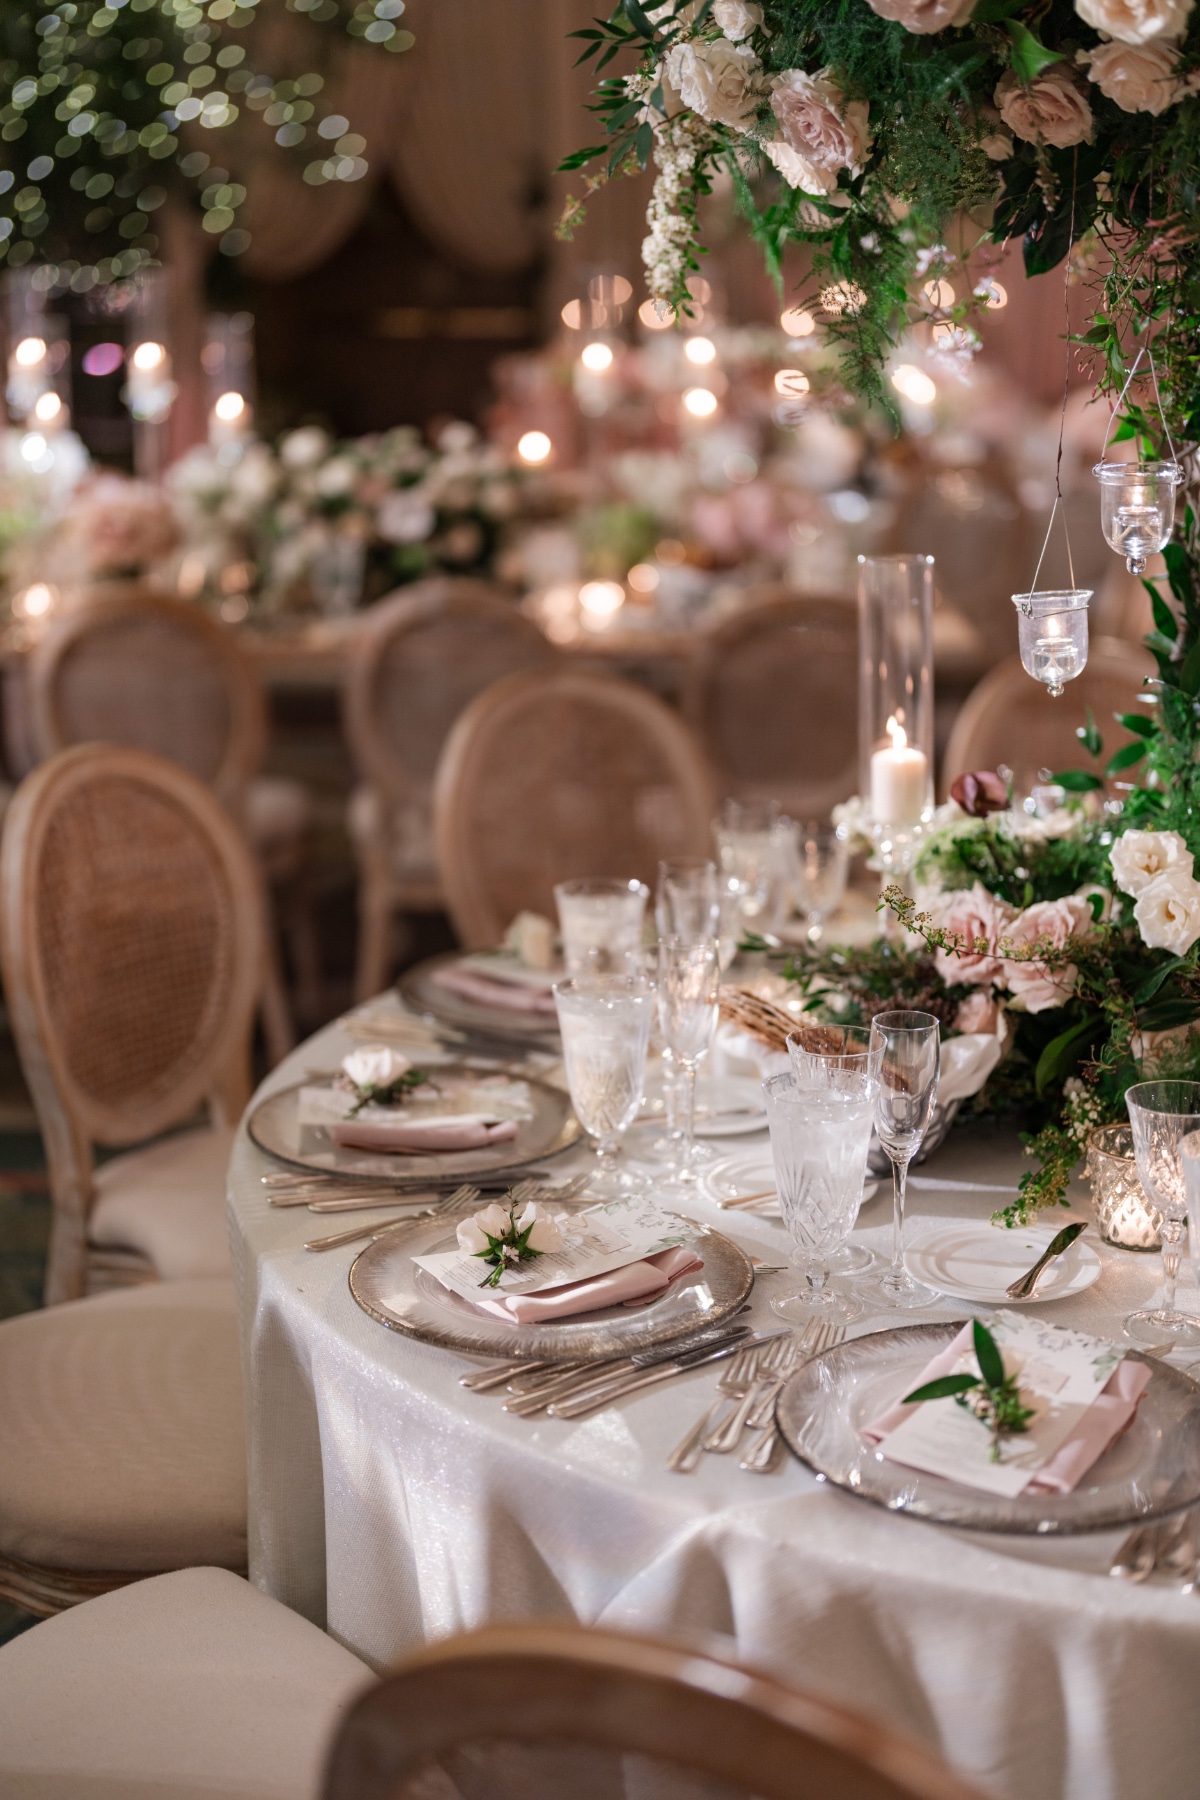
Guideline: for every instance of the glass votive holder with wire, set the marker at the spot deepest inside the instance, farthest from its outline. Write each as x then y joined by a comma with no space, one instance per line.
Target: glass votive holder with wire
1052,628
1137,508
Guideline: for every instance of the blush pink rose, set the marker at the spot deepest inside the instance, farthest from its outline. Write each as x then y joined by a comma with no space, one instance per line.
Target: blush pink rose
924,16
1036,985
971,915
819,123
1051,109
980,1011
121,526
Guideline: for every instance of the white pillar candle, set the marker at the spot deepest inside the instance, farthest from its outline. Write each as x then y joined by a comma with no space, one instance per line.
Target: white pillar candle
899,778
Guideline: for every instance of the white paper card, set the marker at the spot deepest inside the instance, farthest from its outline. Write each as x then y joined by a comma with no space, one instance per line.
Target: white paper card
485,1101
1059,1372
595,1241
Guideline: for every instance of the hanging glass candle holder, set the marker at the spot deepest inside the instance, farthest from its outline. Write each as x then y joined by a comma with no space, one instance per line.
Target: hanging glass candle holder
1053,631
1137,507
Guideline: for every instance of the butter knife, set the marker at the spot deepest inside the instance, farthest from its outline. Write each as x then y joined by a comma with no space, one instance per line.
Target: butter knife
1022,1289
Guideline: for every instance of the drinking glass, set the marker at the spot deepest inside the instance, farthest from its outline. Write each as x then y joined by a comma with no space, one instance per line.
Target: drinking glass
810,1048
601,924
1163,1114
687,903
820,1117
908,1083
819,875
689,980
605,1025
753,842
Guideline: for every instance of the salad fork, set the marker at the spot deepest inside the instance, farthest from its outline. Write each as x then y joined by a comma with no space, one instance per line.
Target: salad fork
760,1458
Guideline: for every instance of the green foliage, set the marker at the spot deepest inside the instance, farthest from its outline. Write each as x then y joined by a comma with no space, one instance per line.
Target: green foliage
386,1093
992,1396
1021,870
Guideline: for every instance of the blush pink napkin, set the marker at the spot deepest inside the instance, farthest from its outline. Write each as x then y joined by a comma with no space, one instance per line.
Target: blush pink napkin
635,1283
429,1137
1103,1422
509,996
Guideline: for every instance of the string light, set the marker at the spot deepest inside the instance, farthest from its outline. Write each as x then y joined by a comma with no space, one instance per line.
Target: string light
792,382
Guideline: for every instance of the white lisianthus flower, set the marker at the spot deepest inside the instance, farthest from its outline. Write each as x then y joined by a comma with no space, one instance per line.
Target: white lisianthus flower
375,1065
737,18
1138,77
1136,21
717,80
1168,911
1140,857
544,1234
473,1233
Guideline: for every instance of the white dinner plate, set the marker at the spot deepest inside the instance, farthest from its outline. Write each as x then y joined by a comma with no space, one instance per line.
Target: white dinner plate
729,1106
970,1259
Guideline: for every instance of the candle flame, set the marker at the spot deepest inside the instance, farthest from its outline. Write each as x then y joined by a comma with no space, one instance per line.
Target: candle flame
897,733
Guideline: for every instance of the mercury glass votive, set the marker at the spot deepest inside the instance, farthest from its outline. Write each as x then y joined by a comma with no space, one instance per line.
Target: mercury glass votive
1125,1216
1137,507
1052,628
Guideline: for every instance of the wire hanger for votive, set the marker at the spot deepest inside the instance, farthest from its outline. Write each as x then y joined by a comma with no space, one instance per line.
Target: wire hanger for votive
1137,499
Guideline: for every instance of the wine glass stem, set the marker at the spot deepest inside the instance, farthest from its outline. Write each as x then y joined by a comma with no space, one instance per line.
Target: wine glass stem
689,1114
607,1147
899,1180
1172,1235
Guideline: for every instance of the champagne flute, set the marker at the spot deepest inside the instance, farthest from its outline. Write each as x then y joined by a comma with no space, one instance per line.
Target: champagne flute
689,980
687,903
1165,1116
908,1083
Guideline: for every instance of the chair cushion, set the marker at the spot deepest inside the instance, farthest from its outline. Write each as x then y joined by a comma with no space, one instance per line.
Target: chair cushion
276,811
187,1687
168,1202
121,1420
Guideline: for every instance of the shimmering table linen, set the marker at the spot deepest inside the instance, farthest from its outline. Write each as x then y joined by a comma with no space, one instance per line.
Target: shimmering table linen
398,1507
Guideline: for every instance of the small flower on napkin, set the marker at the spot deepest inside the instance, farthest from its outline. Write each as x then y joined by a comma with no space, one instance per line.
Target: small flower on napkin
498,1236
379,1075
531,938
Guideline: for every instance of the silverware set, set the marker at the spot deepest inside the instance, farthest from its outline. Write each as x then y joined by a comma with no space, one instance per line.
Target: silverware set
747,1392
1170,1546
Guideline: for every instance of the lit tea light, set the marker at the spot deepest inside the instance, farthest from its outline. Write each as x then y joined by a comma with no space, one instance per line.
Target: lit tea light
534,447
797,322
600,601
899,779
29,352
700,350
700,402
597,357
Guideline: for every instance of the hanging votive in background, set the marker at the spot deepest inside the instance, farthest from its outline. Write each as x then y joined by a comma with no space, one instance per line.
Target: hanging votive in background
228,358
1052,627
1137,507
150,387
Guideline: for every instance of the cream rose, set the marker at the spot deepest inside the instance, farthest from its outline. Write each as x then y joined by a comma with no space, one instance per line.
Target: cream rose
545,1234
1138,77
826,131
979,1012
737,18
1050,110
798,171
1136,21
473,1233
718,80
1035,984
1168,911
1140,857
375,1065
924,16
973,914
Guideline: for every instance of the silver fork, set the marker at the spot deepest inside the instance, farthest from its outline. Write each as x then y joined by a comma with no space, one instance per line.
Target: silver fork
734,1383
529,1189
462,1196
760,1458
724,1438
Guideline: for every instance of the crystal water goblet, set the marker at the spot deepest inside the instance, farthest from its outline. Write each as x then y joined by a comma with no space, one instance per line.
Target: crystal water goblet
605,1021
1163,1115
819,874
689,981
820,1122
908,1083
811,1048
601,924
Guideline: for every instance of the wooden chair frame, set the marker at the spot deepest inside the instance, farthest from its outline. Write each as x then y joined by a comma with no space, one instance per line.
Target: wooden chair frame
538,1684
70,1119
468,755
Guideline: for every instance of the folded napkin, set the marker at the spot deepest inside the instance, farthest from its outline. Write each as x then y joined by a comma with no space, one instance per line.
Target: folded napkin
1103,1422
507,996
428,1135
635,1283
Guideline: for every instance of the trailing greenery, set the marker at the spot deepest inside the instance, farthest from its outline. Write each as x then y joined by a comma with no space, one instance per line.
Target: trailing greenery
992,1396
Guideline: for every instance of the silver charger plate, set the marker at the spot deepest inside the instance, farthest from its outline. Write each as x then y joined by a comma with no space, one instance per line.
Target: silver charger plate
1150,1471
275,1127
418,989
388,1285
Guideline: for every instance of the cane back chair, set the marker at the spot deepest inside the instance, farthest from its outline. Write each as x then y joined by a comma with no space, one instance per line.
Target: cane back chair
539,1712
772,695
132,947
558,774
421,657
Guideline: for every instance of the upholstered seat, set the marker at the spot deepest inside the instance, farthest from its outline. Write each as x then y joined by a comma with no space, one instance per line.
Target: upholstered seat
190,1686
166,1202
121,1419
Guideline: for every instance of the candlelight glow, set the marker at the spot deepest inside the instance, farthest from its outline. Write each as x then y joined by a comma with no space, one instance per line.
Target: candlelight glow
572,315
47,407
643,578
30,351
596,357
601,599
792,382
797,323
35,601
148,356
700,350
229,407
534,447
897,733
656,315
700,402
914,384
939,295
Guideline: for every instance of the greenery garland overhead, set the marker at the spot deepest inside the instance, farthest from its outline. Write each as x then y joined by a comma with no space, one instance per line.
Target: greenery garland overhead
108,111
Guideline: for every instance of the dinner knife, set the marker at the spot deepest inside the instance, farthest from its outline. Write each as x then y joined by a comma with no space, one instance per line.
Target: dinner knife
1022,1288
593,1398
561,1383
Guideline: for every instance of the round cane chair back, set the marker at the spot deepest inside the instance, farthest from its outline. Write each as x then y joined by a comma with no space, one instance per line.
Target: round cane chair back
536,1712
559,774
139,668
1011,719
419,661
773,698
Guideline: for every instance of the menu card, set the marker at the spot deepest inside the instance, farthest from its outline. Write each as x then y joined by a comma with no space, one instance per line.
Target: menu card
485,1101
1060,1374
600,1238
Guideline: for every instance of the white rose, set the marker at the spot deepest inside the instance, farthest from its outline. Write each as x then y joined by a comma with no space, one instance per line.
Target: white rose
737,18
718,80
1138,77
304,448
531,938
1050,109
798,171
375,1065
1136,21
405,517
545,1234
1140,857
473,1233
336,478
1168,911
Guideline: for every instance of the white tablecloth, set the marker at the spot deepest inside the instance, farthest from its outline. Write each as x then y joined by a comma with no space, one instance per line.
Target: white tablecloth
395,1506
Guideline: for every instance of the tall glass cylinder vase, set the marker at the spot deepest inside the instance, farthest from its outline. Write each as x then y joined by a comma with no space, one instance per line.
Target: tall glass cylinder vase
895,704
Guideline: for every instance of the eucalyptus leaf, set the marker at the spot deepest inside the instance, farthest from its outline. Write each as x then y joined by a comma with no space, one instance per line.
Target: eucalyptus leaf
942,1388
987,1354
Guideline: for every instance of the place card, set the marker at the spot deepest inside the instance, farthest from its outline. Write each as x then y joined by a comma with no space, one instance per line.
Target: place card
1060,1374
486,1101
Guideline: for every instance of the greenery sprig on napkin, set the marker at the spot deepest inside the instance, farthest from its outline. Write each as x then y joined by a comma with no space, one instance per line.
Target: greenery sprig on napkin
379,1076
993,1396
497,1236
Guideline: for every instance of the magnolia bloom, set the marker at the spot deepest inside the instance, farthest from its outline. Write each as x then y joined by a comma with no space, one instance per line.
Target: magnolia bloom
1138,77
1136,21
924,16
737,18
1035,984
826,131
972,914
1168,911
1050,110
718,80
1140,857
375,1065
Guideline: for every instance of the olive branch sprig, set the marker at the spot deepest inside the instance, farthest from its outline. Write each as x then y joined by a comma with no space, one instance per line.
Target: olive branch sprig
993,1396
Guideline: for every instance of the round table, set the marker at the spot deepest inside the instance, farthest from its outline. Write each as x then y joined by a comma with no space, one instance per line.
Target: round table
394,1506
